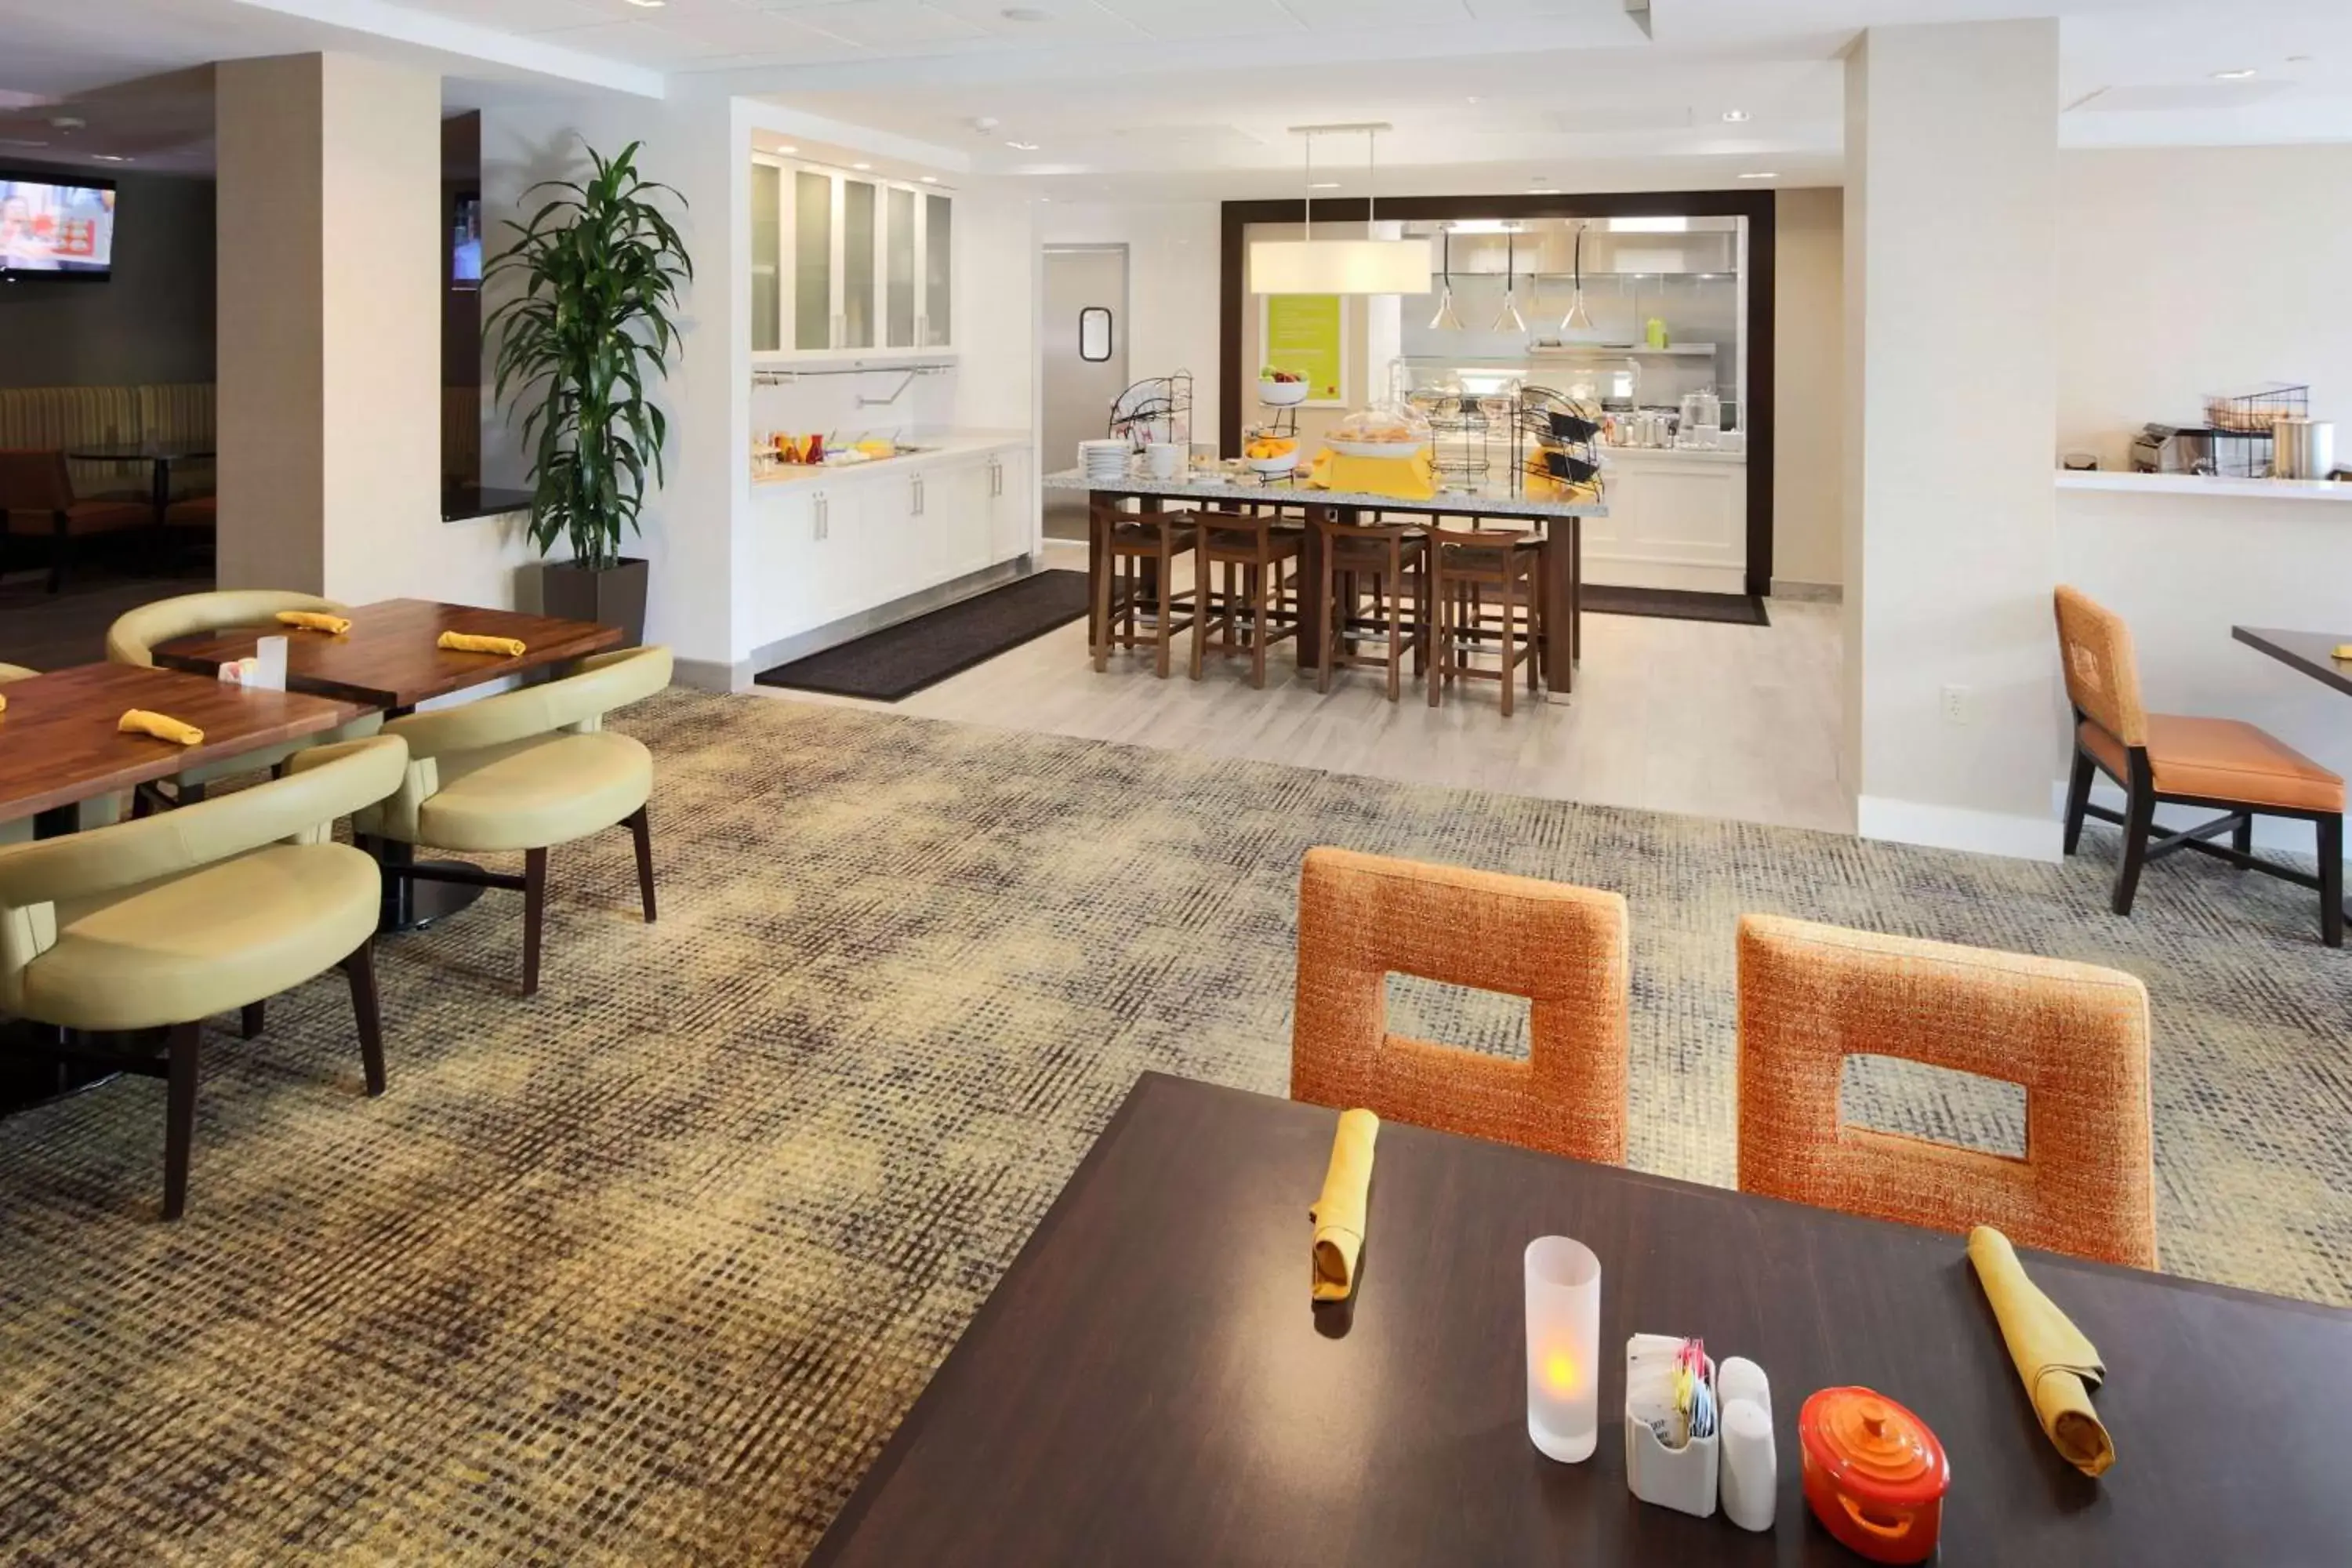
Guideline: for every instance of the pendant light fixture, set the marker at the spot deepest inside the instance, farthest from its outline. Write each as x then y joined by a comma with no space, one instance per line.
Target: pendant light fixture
1366,266
1579,319
1446,321
1509,318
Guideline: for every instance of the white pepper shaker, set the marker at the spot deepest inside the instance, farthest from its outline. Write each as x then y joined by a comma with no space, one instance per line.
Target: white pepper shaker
1752,1469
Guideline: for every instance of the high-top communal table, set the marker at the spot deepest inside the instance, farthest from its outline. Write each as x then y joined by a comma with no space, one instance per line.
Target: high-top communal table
390,659
1560,522
1149,1383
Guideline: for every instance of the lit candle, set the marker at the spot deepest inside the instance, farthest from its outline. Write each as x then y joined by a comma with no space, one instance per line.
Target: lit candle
1563,1348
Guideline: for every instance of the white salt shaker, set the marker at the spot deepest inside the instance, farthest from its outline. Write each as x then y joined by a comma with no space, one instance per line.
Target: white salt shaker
1751,1469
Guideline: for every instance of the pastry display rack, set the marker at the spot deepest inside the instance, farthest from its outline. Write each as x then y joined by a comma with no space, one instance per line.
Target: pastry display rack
1154,411
1558,437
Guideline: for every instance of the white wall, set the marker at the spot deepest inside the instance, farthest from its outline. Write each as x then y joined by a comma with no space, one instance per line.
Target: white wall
1171,288
1952,218
2185,271
1809,386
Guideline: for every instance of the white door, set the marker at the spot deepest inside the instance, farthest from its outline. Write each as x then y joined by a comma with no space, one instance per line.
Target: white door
1084,352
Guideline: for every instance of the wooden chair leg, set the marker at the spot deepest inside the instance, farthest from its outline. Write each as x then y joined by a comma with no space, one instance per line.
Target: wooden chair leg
1391,590
1533,656
1439,606
1330,641
1168,605
2331,880
359,969
2141,815
2242,837
252,1021
1104,580
180,1115
2078,797
534,915
1201,630
640,823
1509,646
1261,622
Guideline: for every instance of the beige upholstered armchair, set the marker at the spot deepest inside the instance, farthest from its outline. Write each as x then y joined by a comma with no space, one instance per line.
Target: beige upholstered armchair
163,922
132,638
527,770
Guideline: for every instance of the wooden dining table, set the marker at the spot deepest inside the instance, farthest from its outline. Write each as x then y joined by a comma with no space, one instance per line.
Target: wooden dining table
1150,1382
59,743
391,658
2312,653
156,457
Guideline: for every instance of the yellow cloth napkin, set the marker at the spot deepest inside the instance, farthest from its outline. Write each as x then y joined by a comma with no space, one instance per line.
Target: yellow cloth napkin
1407,478
466,642
4,702
2059,1364
2344,650
1338,1213
139,722
313,621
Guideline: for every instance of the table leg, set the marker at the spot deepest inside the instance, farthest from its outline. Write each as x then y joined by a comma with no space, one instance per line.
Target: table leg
1097,563
407,904
1561,610
1310,590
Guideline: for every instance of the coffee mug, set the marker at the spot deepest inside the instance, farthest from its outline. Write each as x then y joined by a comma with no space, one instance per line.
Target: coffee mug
1162,459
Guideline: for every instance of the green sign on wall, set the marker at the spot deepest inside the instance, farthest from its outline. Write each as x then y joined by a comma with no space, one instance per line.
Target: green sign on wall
1305,332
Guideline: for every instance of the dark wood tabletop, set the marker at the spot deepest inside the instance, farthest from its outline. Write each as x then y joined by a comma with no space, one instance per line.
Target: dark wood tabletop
58,743
1149,1383
2310,652
142,452
389,658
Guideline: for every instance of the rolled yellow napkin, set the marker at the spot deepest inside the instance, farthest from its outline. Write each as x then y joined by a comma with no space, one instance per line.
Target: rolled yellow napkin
466,642
4,702
313,621
139,722
1338,1213
2344,650
2059,1364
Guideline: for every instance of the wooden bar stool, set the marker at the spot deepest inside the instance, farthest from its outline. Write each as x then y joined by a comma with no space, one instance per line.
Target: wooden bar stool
1241,578
1390,561
1462,566
1131,541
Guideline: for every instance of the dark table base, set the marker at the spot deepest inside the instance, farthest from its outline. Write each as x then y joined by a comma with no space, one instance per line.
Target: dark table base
29,1077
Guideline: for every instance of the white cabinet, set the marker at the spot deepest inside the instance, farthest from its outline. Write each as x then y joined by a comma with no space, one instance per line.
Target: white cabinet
848,266
1676,520
1012,506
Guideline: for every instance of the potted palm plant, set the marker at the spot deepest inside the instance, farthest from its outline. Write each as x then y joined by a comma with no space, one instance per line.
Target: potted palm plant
597,271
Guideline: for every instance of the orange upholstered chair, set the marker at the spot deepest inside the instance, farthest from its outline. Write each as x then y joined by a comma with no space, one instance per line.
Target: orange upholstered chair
2160,759
2075,1036
1362,917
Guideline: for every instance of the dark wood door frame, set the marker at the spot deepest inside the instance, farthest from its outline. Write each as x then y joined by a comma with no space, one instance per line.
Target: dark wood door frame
1761,210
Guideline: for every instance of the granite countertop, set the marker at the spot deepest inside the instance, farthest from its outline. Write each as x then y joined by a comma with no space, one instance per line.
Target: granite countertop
1234,487
934,449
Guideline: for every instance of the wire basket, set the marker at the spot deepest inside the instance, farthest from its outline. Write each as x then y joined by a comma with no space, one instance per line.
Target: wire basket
2255,410
1157,410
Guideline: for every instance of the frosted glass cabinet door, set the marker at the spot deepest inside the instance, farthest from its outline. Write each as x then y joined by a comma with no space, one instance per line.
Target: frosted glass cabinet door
812,272
767,256
939,272
861,233
899,239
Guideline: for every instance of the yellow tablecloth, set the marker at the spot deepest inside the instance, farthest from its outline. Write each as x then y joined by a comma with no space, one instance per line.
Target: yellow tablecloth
1406,478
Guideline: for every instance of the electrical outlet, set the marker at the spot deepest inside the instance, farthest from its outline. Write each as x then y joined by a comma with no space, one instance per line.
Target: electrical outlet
1957,704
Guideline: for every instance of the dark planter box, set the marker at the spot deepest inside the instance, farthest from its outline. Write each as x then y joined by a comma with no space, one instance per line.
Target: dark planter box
614,596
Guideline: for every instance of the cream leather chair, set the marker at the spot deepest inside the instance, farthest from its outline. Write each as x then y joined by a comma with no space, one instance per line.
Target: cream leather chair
526,770
165,922
132,637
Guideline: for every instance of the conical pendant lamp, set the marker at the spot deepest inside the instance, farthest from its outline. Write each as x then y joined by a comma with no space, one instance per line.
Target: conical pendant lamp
1579,318
1446,321
1509,320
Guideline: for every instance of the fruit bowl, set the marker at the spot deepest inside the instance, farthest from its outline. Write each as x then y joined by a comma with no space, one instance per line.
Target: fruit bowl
1286,463
1282,394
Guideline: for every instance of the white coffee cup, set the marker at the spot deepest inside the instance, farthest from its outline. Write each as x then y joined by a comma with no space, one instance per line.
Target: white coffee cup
1163,460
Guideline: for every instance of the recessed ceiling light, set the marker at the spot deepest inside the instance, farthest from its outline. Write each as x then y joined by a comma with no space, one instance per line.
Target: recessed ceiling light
1026,13
930,179
787,148
1022,146
1734,117
1324,186
861,168
1472,98
2239,73
649,5
1762,175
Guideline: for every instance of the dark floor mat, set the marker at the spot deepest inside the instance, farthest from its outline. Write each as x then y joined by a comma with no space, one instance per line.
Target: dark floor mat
1676,604
899,661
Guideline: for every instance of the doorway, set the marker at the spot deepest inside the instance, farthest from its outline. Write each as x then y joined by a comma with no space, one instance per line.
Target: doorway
1084,346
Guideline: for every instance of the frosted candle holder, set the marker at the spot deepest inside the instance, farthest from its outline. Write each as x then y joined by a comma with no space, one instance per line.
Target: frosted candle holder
1563,1281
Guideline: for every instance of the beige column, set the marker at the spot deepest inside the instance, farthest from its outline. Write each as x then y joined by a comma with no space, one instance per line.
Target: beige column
1951,388
331,240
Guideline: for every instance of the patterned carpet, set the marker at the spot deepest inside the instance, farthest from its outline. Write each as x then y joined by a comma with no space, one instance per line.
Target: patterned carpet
646,1269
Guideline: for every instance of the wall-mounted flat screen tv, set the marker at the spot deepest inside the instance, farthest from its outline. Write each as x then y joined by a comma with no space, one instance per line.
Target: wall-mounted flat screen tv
56,226
465,245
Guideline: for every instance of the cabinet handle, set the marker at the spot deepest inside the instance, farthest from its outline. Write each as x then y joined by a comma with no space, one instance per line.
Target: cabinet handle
823,517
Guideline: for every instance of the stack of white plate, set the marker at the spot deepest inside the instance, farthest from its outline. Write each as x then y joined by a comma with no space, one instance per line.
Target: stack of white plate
1104,462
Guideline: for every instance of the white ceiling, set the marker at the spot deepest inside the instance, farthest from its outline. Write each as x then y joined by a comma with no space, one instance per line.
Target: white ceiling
1193,98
